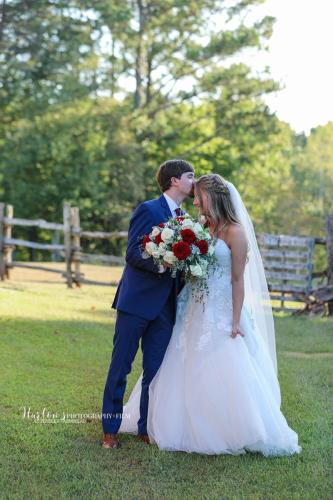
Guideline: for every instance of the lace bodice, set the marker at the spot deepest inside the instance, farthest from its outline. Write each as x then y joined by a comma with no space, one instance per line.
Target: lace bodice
223,256
214,313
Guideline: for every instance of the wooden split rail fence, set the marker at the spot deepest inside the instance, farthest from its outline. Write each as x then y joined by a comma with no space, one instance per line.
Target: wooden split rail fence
70,249
288,260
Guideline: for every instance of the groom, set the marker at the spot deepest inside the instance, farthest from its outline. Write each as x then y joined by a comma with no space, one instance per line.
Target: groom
145,301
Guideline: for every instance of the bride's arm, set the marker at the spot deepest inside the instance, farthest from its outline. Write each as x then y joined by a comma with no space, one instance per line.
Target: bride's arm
238,246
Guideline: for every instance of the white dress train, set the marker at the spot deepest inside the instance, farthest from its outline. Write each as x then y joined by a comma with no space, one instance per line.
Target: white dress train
214,394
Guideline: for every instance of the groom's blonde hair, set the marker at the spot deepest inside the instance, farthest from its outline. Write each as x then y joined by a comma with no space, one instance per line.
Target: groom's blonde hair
220,207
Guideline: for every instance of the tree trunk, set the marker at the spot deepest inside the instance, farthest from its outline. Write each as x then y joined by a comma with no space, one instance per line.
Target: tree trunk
2,19
139,63
149,69
112,86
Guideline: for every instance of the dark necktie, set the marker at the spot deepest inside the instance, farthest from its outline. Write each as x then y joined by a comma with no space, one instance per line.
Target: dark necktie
179,212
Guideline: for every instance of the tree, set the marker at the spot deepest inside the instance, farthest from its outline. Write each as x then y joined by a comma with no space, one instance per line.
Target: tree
96,95
44,58
313,178
168,46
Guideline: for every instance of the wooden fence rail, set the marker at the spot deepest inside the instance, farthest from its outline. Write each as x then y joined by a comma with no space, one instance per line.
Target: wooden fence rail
70,250
288,260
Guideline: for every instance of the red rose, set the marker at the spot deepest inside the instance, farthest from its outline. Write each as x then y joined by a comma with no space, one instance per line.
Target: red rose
158,239
181,250
188,235
180,219
202,245
161,224
145,240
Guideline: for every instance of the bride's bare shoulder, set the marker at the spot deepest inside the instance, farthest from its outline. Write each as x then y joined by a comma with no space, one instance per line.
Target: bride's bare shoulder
236,229
236,233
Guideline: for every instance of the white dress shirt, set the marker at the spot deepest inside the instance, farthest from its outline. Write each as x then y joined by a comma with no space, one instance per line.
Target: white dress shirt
172,204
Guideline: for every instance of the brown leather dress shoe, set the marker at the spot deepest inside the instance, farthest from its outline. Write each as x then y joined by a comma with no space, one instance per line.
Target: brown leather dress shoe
144,438
110,441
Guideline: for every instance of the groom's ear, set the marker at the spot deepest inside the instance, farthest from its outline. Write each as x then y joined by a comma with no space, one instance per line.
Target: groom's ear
174,181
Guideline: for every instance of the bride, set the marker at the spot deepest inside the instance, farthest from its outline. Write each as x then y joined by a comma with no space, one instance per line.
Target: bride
217,389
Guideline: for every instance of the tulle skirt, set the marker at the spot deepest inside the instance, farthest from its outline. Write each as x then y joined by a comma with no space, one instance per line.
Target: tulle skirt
213,394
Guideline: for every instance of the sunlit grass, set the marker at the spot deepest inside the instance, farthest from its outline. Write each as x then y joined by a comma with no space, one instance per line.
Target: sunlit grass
56,345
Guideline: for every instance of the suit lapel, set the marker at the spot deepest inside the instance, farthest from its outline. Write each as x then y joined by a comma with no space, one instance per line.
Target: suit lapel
165,207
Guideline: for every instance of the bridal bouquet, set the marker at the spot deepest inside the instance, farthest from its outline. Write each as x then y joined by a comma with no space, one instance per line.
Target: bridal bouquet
183,244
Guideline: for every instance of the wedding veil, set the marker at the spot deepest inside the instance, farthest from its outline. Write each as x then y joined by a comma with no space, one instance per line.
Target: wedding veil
256,298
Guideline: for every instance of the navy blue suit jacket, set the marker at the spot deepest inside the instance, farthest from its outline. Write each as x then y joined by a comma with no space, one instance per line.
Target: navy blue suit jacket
142,290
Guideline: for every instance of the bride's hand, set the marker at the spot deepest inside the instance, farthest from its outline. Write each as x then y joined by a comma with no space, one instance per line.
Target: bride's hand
236,331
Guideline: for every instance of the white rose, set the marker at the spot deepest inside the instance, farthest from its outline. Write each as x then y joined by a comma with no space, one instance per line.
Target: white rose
162,249
196,270
167,234
151,247
169,257
197,228
187,223
155,232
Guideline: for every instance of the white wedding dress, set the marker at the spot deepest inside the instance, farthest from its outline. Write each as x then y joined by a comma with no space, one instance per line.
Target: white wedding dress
214,394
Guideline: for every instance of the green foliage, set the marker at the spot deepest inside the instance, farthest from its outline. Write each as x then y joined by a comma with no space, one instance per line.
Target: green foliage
77,153
44,47
95,96
313,177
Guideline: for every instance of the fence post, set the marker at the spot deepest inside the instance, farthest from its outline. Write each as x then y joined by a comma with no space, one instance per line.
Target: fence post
8,234
2,245
56,255
67,244
76,244
329,250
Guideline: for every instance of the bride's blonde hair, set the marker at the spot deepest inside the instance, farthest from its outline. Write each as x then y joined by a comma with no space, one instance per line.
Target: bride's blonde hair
220,207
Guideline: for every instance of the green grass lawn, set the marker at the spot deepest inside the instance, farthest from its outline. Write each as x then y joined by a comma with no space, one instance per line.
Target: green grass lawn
55,351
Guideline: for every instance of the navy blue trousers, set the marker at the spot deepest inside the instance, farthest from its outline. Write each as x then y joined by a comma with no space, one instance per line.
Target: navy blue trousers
155,336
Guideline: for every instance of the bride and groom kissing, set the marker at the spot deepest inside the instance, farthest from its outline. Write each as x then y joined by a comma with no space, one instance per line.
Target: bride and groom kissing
209,383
